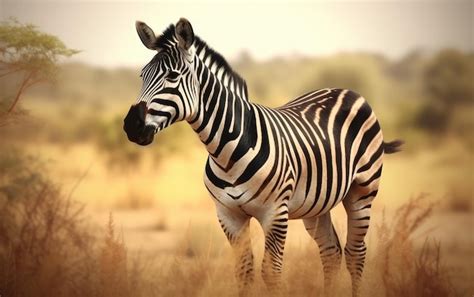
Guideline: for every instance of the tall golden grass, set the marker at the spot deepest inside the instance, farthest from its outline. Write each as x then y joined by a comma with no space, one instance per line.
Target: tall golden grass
406,270
48,249
45,248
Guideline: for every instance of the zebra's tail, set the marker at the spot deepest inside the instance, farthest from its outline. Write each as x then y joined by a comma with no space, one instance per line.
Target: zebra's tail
392,146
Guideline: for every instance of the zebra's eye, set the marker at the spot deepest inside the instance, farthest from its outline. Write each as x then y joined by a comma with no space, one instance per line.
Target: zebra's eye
173,75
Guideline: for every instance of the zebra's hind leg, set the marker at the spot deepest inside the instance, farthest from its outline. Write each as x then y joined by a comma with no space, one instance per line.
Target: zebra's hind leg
322,231
236,227
357,204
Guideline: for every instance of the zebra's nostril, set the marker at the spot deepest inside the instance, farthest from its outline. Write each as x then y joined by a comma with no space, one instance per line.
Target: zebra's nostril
149,131
147,135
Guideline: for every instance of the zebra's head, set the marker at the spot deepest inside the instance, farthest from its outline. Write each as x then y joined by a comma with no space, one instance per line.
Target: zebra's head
170,90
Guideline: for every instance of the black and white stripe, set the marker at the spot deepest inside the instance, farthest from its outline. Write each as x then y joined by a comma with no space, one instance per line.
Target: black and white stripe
297,161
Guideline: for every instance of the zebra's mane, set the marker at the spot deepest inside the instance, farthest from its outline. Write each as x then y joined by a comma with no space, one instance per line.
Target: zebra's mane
212,59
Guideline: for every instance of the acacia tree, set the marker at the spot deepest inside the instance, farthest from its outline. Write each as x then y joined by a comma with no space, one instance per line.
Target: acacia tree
29,54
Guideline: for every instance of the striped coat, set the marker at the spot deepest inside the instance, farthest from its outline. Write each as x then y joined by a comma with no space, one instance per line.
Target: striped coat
296,161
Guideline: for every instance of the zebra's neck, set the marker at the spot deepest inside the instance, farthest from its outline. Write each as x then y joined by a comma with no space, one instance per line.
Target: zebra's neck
224,120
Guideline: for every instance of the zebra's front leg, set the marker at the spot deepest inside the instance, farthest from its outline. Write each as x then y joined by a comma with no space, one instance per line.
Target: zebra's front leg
275,228
236,227
322,231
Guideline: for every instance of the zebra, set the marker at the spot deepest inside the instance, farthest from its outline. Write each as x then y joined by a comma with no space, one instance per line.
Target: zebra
297,161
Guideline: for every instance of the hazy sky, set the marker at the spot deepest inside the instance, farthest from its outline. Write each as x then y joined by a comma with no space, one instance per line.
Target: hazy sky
105,31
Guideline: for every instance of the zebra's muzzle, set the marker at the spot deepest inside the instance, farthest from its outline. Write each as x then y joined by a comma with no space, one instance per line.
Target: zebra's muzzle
134,125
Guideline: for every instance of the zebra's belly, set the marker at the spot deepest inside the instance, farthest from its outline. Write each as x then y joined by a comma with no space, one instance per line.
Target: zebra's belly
302,205
242,199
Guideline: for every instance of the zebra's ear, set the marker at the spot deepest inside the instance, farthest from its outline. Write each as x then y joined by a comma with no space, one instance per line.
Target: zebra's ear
185,34
146,34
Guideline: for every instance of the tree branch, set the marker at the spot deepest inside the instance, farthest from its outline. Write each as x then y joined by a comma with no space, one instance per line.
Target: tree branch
33,82
20,91
10,72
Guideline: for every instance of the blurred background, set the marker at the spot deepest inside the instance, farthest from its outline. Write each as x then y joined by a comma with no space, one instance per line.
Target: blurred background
62,104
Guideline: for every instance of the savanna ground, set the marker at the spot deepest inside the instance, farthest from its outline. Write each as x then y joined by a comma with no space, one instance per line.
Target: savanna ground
86,213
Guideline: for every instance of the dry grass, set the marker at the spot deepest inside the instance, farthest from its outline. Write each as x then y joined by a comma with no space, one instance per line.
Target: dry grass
45,250
397,266
202,263
113,264
46,246
404,269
